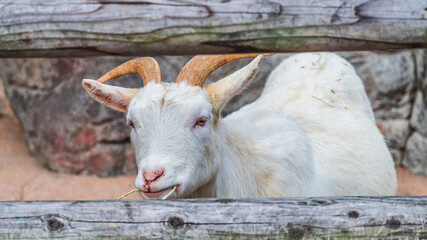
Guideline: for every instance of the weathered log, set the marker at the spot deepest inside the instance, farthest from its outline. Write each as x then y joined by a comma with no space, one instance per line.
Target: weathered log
77,28
295,218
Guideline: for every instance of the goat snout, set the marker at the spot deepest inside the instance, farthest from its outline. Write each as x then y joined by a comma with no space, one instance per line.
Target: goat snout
152,176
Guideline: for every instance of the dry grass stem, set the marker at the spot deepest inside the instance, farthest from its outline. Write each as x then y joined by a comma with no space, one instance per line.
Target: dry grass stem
323,101
137,190
169,193
129,193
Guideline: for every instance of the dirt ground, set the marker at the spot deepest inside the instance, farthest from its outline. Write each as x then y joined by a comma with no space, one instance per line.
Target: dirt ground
23,178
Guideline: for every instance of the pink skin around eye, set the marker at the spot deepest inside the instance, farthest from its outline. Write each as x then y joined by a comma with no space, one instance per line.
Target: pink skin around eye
200,123
201,114
195,125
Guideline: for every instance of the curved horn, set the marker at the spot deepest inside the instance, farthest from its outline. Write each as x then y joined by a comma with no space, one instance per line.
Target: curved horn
200,67
146,67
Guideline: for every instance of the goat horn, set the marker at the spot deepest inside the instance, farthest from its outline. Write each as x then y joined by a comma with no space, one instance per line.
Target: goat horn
146,67
200,67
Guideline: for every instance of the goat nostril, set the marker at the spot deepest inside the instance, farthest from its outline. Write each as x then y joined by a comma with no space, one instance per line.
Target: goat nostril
152,176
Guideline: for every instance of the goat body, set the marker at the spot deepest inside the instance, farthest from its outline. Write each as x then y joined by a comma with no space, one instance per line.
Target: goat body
312,132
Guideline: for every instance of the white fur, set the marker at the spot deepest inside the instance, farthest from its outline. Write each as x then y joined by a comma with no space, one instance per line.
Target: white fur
311,133
322,94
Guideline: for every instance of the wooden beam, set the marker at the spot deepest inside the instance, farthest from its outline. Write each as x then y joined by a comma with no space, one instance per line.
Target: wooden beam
79,28
294,218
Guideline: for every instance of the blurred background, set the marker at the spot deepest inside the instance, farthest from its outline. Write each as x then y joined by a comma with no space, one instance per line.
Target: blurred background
56,143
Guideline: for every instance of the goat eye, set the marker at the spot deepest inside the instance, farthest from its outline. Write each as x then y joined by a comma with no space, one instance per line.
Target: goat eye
200,122
131,124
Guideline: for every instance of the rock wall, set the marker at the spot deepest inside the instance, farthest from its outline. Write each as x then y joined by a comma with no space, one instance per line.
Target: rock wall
69,132
415,154
5,109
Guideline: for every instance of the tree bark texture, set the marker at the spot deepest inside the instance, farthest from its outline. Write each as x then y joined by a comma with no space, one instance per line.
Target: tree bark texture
80,28
293,218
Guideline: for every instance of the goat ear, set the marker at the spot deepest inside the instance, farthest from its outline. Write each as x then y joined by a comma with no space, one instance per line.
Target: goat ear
223,90
117,98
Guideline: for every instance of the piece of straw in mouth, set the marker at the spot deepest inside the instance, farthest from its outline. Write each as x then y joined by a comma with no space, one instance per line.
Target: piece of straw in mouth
137,190
129,193
169,193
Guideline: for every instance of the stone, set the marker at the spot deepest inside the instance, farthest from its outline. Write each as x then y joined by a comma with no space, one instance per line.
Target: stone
396,154
421,59
419,114
416,154
389,81
5,109
64,128
395,132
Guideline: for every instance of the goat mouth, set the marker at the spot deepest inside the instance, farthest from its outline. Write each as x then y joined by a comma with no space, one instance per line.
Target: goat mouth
158,194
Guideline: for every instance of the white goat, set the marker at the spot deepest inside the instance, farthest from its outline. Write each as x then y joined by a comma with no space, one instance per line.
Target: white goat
311,133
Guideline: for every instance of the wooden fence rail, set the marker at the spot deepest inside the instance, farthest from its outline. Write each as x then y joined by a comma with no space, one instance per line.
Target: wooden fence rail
293,218
78,28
